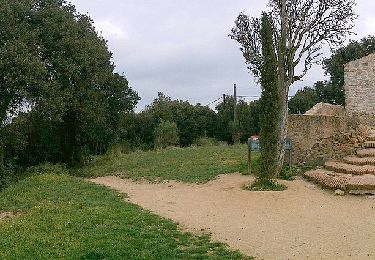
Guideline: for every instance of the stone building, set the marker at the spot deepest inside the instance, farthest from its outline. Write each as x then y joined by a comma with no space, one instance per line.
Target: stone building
347,149
318,137
360,85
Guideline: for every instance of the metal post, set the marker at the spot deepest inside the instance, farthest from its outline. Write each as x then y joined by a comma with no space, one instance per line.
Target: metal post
290,158
249,155
235,119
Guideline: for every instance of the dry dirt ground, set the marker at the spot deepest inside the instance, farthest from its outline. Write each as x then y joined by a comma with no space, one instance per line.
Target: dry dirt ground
303,222
8,215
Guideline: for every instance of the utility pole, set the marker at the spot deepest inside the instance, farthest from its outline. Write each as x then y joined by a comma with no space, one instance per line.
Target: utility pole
224,98
235,134
235,117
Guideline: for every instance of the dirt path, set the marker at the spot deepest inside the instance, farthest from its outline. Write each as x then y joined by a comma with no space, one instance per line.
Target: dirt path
303,222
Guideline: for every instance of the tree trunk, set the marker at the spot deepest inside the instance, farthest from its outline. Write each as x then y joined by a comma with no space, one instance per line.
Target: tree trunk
283,127
283,88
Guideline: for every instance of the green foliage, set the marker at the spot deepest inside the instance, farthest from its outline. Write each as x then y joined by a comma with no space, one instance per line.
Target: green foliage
270,104
266,185
166,134
193,164
207,141
58,80
334,66
47,168
63,217
8,174
332,91
192,121
329,93
303,101
248,117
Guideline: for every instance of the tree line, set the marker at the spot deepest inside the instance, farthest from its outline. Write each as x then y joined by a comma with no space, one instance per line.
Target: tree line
62,101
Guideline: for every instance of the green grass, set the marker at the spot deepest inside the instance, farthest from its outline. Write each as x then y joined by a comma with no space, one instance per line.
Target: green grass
194,164
65,217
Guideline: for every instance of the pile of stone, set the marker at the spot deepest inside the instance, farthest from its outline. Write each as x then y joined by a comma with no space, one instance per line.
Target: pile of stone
325,109
354,175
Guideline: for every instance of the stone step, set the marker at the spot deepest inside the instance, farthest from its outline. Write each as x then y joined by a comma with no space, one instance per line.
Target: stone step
355,160
366,152
346,168
369,144
359,185
364,184
328,179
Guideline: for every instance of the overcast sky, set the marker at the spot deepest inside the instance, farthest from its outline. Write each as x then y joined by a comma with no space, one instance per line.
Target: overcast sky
182,48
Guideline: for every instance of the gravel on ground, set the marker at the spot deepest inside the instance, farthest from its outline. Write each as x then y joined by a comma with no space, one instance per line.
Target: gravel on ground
303,222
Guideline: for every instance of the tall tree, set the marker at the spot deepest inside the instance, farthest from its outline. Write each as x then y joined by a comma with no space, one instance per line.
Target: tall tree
54,63
301,28
270,103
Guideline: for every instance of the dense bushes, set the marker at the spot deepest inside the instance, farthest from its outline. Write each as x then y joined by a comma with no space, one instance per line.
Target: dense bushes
166,134
60,97
194,122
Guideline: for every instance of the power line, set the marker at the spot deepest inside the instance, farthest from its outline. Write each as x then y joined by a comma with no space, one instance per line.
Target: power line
212,102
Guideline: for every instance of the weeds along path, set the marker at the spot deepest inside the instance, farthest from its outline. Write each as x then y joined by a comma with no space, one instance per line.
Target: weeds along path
303,222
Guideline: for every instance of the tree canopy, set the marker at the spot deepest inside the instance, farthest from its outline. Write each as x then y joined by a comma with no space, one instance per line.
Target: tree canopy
58,81
270,103
334,66
332,91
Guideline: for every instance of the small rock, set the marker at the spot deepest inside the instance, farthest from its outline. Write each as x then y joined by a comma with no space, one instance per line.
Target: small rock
339,192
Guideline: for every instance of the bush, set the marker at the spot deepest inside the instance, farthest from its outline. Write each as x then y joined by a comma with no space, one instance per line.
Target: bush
119,149
207,141
166,134
7,175
47,168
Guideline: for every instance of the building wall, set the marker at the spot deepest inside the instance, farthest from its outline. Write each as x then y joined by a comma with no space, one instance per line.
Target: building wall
318,138
360,85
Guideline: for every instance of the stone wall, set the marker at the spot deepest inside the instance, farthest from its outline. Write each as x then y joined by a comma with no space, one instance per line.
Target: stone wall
318,138
360,85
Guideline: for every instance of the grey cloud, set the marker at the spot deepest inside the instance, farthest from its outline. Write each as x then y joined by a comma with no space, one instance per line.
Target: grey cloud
181,47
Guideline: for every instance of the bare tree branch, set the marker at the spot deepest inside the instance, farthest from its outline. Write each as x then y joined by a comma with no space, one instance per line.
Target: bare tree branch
310,24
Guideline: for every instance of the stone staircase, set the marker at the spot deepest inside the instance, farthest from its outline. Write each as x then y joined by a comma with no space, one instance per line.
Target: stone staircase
355,174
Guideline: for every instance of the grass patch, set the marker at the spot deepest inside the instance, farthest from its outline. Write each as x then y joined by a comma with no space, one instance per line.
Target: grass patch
193,164
63,217
266,185
290,173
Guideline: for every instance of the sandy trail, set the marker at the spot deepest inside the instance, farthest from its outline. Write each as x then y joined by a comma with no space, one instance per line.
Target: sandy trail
303,222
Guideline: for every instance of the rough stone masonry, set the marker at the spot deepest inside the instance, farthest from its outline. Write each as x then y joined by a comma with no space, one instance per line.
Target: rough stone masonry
318,137
360,86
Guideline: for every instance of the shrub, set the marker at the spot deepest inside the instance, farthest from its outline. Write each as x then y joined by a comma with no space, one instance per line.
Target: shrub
120,148
47,168
206,141
166,134
7,175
